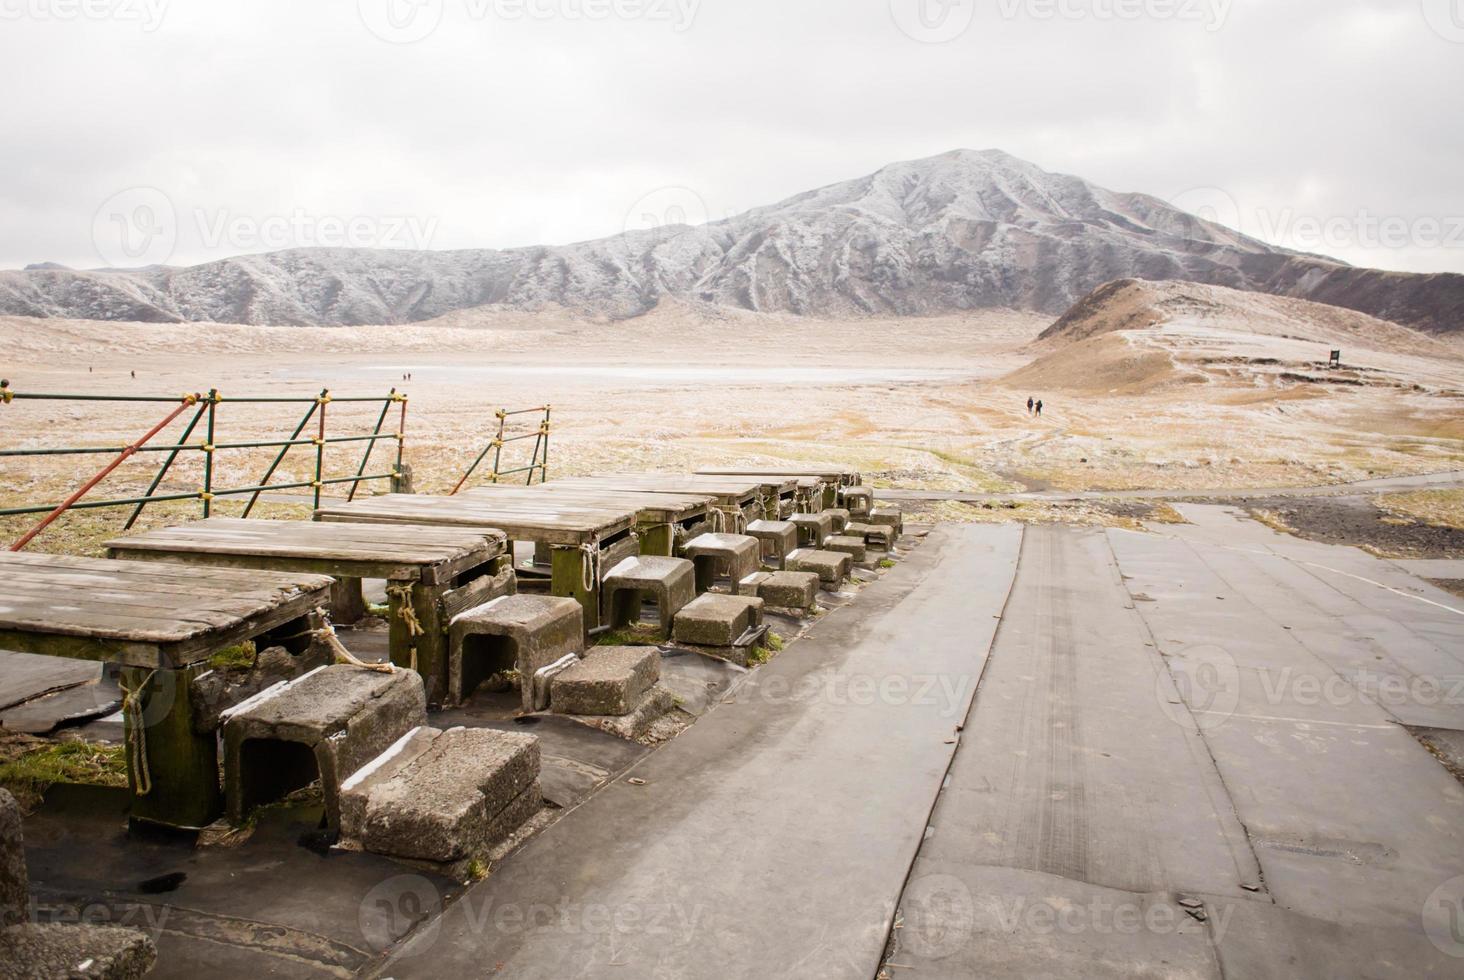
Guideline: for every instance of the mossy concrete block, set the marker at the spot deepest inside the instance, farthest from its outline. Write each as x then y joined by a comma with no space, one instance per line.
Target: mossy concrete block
813,529
539,631
343,716
609,681
789,590
670,581
778,538
14,882
851,545
859,501
445,797
718,620
75,951
875,535
831,567
888,516
734,556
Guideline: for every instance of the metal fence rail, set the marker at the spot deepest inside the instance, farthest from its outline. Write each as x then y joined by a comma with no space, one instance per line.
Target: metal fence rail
538,463
203,409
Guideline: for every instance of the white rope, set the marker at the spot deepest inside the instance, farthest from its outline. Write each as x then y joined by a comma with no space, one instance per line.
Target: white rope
137,736
589,566
326,634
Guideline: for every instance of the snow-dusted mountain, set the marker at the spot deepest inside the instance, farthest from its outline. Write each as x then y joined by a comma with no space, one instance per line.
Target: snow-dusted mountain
964,230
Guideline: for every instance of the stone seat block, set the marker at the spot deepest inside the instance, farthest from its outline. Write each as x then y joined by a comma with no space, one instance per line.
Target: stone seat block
63,951
778,538
840,517
609,681
737,555
443,796
888,516
785,590
879,536
529,633
858,500
718,620
852,545
831,567
326,725
813,529
670,581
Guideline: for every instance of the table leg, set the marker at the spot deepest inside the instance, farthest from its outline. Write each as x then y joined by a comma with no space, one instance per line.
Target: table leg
569,575
347,603
658,540
418,635
172,770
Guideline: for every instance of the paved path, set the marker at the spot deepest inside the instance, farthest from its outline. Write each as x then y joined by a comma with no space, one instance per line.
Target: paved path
772,838
1179,764
1450,480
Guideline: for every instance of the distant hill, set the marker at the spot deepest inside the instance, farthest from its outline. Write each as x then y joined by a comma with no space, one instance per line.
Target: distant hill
962,231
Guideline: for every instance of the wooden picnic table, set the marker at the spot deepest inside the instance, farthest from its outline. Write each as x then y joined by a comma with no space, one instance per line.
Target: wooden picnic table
432,573
740,500
162,623
664,520
830,479
585,540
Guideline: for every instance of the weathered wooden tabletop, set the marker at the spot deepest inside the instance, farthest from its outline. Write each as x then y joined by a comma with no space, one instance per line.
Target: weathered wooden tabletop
728,491
829,474
143,614
659,508
390,551
550,521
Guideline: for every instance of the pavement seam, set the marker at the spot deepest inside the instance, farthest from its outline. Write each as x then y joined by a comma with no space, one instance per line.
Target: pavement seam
951,761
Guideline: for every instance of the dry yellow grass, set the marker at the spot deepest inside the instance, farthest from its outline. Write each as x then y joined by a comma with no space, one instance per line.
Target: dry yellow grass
1440,508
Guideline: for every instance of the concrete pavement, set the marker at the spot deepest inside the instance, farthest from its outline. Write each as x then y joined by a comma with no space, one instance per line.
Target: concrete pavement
772,838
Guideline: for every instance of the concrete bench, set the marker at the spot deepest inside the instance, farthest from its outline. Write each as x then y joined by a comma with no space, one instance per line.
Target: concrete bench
777,538
671,582
858,500
784,590
851,545
879,536
813,529
325,725
888,516
532,634
722,626
831,567
443,797
733,556
840,517
29,949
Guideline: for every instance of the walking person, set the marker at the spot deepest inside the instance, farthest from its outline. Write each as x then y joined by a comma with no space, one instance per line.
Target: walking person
1029,406
1039,407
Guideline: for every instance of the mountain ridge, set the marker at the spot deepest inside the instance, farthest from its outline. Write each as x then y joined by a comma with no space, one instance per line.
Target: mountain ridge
965,230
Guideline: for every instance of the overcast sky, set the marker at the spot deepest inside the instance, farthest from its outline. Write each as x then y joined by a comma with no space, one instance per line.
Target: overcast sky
243,125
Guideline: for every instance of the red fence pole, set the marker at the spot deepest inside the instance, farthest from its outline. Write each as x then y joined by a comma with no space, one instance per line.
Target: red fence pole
188,402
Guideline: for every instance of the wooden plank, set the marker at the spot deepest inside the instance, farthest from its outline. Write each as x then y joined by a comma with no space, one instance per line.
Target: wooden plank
397,552
657,508
548,523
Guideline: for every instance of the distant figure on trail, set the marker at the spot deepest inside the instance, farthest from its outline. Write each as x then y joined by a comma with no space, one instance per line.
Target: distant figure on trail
1029,406
1039,406
134,375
